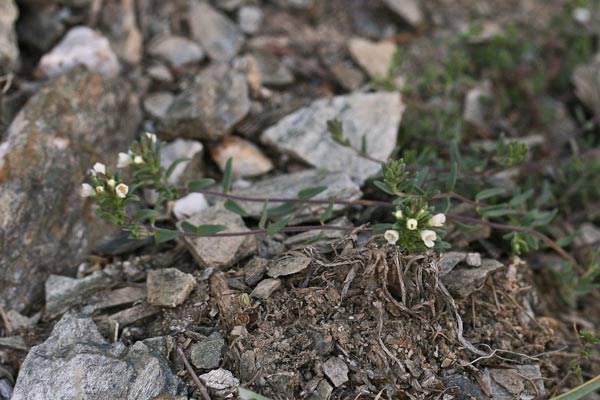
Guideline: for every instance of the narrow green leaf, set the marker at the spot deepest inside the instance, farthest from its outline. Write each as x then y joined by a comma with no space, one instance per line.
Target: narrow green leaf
235,208
209,229
520,198
278,226
497,211
146,214
187,227
227,175
246,394
311,192
381,227
174,165
384,187
164,235
263,216
363,145
283,209
328,211
451,183
200,184
580,391
487,193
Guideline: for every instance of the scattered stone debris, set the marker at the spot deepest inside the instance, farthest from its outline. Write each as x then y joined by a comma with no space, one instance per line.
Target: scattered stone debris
288,266
461,282
169,287
206,354
220,382
374,58
272,71
265,288
176,50
118,20
247,159
587,88
76,361
255,270
250,19
336,370
374,116
409,10
157,104
81,46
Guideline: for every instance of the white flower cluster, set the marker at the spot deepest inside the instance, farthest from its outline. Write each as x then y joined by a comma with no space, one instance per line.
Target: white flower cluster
98,173
428,236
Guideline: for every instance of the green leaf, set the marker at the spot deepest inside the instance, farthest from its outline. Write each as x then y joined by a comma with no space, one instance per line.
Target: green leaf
520,198
164,235
384,187
187,227
580,391
235,208
246,394
451,183
146,214
487,193
311,192
381,227
363,146
227,175
210,229
263,216
328,211
200,184
174,165
497,211
278,226
283,209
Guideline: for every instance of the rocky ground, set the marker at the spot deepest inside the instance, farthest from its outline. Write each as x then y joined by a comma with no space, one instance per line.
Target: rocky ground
86,313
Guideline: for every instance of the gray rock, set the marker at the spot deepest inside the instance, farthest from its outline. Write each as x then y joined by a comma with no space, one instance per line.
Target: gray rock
265,288
211,107
254,270
19,321
114,298
587,87
157,104
250,19
169,287
62,292
14,343
409,10
220,251
461,385
220,382
6,388
206,354
338,184
336,370
304,135
9,50
76,362
247,159
474,110
186,170
220,37
228,5
43,160
322,391
348,76
118,21
160,73
247,365
133,314
176,50
287,266
373,20
461,282
81,46
514,383
374,57
272,71
297,4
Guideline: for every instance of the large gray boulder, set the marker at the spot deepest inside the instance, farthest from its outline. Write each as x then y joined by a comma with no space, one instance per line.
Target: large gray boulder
76,362
51,144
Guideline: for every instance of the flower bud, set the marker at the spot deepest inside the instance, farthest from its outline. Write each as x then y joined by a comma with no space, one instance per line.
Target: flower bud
111,183
411,224
138,160
99,189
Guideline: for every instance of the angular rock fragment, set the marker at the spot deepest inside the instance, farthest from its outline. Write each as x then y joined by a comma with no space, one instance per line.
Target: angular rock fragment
211,107
157,104
81,46
77,362
287,266
178,149
254,270
247,159
219,36
9,50
220,251
374,58
206,354
273,72
374,116
336,370
250,19
338,184
114,298
176,50
461,282
409,10
169,287
265,288
41,27
118,20
220,382
49,146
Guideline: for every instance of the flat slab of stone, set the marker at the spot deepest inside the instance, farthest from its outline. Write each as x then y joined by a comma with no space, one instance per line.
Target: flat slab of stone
168,287
77,362
206,354
211,106
219,252
265,288
338,184
219,36
304,134
461,282
176,50
287,266
374,57
336,370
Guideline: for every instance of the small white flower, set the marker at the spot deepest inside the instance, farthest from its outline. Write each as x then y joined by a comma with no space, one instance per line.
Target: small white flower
87,190
111,183
99,189
411,224
428,237
138,160
582,15
391,236
151,137
100,168
437,220
124,160
122,190
398,214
